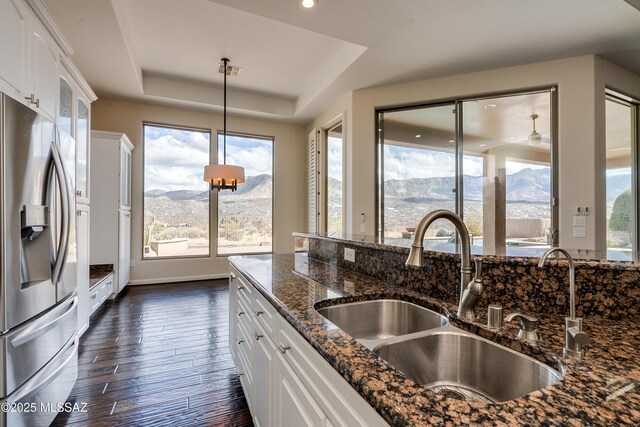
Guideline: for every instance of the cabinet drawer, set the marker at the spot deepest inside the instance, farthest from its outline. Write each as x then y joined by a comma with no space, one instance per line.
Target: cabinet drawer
242,287
265,313
99,293
29,347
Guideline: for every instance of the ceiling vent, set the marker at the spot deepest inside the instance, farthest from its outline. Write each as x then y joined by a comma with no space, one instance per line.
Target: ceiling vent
232,70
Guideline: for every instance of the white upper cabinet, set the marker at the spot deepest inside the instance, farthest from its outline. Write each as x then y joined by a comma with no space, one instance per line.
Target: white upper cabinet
125,176
45,56
65,109
33,54
14,29
82,150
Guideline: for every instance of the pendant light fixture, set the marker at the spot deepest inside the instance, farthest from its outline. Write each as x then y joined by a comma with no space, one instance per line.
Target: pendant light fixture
224,176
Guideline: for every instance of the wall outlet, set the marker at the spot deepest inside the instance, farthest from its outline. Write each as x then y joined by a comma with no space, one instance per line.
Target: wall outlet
363,228
579,231
350,254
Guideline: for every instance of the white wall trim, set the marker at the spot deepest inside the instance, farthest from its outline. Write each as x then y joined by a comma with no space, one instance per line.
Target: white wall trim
168,280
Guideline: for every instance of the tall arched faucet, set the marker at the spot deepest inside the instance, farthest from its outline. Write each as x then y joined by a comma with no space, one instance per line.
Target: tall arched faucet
470,289
574,337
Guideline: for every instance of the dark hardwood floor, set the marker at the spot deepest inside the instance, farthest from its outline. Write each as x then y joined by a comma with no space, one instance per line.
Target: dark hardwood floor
159,356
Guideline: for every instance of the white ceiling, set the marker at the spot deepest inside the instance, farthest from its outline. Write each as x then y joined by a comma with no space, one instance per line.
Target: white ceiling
296,62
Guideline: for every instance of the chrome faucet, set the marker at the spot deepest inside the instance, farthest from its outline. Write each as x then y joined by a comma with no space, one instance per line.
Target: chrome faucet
574,337
470,289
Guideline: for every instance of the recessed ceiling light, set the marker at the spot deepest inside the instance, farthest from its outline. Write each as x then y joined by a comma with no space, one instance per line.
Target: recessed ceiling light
308,4
451,140
489,106
418,136
483,145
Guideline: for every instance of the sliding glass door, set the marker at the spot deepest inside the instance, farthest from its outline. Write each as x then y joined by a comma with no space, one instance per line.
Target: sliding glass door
489,160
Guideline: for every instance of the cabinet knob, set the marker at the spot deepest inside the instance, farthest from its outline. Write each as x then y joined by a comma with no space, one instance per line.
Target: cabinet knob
258,313
79,193
258,336
283,348
78,213
240,342
240,313
240,288
233,276
240,374
94,296
37,103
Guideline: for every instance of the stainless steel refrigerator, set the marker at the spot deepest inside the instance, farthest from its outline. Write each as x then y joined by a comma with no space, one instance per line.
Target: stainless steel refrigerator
38,302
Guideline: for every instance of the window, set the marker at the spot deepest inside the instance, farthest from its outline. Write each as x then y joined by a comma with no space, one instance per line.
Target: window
334,178
418,170
480,158
621,116
176,200
245,217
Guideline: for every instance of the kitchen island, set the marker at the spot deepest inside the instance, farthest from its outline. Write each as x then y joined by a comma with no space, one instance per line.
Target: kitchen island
601,389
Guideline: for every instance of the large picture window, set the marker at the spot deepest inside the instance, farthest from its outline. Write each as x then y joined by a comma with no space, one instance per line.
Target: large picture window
487,159
176,200
245,217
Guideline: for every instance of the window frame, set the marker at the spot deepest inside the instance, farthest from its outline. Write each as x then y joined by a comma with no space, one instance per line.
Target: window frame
457,103
144,161
634,104
339,121
216,203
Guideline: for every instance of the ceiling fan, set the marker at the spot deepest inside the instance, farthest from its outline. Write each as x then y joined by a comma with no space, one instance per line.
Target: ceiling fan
535,137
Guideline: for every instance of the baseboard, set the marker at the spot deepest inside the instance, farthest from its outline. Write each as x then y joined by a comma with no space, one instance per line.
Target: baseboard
177,279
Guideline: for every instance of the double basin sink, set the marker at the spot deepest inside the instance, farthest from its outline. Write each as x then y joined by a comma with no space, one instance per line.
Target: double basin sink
447,360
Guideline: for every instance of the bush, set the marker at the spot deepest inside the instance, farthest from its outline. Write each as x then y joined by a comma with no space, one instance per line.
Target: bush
621,213
444,233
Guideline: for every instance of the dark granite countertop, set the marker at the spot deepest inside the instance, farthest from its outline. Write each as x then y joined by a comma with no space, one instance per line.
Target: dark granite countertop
99,272
601,389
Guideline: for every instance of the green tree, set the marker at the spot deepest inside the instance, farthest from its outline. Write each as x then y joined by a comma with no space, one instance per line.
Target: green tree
621,212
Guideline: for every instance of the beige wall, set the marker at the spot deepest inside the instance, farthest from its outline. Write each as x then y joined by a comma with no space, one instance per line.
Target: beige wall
288,182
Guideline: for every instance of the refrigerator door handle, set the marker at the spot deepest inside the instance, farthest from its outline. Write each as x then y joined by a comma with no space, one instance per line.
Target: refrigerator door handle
30,334
61,256
35,384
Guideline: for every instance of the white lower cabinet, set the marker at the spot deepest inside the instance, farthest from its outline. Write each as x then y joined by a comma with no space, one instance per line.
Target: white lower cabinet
286,382
295,406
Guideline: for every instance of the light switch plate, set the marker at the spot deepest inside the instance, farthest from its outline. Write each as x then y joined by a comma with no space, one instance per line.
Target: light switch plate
350,254
579,231
579,221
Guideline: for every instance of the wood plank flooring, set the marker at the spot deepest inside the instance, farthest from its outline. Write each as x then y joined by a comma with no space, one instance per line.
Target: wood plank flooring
159,356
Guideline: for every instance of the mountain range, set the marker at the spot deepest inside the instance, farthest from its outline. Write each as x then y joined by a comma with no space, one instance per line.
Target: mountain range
526,187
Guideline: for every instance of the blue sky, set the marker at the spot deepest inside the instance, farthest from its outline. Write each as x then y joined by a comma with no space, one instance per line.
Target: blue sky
175,158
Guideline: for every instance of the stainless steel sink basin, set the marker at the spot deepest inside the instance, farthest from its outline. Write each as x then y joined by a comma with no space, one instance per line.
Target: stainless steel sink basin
382,319
465,366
